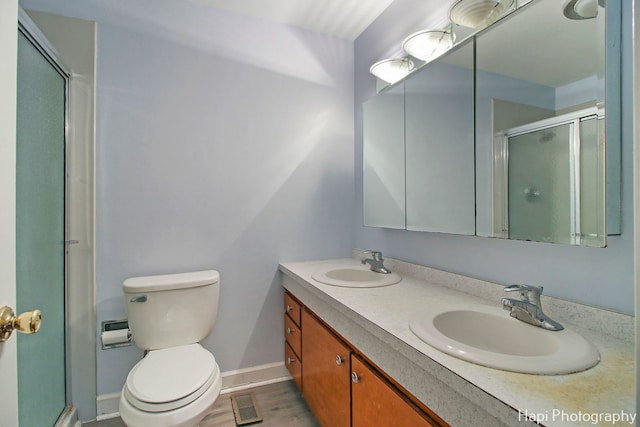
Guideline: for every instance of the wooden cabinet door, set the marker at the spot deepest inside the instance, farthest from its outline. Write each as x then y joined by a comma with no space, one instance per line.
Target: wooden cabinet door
375,402
325,378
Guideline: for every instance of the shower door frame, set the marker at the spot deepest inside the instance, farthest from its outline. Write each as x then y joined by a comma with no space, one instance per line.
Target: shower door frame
40,42
501,169
76,39
73,40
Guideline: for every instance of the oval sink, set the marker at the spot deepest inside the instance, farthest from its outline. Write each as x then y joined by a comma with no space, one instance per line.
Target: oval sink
355,277
488,336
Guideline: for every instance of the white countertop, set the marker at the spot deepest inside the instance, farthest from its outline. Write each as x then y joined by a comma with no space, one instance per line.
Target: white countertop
606,390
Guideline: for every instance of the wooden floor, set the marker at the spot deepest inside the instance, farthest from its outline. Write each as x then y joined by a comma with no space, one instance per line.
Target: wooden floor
281,405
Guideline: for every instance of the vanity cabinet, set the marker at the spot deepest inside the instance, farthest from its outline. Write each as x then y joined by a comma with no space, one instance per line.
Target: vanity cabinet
340,385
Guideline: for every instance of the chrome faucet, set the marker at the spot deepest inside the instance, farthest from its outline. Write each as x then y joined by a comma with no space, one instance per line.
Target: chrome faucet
529,308
376,262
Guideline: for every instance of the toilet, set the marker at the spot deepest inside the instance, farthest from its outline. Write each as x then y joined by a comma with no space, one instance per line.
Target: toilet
178,380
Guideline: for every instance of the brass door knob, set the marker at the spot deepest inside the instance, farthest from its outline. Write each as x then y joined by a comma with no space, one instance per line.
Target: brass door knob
27,322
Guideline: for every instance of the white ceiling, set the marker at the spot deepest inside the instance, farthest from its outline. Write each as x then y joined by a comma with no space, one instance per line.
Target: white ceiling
347,19
340,18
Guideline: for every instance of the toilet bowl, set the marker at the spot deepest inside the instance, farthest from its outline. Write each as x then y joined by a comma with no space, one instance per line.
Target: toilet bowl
178,380
180,396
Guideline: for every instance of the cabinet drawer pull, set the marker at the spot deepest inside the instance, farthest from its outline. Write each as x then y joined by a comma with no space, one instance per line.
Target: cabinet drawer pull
339,360
354,377
290,360
290,331
289,308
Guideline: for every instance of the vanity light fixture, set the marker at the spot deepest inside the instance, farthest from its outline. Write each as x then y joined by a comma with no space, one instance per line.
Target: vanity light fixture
392,70
428,44
582,9
478,13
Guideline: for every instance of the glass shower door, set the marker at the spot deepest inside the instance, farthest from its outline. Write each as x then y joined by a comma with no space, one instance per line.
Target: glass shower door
541,199
40,235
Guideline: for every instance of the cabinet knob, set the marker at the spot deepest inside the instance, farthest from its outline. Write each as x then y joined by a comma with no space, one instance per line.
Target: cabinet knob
290,331
289,309
354,378
290,360
339,360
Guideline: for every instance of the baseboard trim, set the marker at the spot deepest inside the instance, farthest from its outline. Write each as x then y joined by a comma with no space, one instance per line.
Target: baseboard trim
107,406
232,381
242,379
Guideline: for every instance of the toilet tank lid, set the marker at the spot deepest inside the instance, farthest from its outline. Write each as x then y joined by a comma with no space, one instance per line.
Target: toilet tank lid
167,282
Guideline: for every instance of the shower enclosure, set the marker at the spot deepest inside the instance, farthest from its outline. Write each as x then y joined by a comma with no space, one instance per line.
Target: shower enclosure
40,231
549,180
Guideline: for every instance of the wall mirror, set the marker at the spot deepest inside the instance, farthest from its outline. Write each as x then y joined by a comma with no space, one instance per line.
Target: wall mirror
418,149
543,170
541,167
439,127
383,153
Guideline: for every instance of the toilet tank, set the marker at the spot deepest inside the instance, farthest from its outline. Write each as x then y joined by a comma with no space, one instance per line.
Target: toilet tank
172,309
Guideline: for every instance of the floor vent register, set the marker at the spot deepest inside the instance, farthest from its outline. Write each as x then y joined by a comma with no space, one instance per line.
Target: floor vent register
245,409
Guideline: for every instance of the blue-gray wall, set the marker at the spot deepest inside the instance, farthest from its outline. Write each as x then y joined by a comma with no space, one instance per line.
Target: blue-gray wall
601,277
223,142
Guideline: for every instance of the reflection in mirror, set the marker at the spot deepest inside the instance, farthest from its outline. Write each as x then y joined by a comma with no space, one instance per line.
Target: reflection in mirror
548,178
439,141
383,152
540,158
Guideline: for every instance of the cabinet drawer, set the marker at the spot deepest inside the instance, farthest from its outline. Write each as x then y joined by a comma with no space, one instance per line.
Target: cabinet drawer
293,364
292,335
292,308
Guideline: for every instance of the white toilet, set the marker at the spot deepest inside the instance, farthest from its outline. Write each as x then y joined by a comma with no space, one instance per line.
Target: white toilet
178,381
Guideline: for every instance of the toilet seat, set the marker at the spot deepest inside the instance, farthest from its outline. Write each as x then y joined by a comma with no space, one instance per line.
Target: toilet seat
171,378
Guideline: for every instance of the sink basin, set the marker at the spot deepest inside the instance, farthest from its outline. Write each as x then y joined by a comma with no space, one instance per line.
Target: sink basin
490,337
355,277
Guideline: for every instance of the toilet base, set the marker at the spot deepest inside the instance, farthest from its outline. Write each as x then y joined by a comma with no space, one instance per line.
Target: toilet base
187,416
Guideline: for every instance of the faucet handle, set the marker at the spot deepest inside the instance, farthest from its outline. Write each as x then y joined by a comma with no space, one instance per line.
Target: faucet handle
377,255
523,288
525,291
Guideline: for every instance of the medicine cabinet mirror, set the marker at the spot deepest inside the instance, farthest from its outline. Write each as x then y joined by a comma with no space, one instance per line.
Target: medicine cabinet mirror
540,129
418,168
439,144
540,167
383,152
